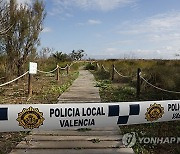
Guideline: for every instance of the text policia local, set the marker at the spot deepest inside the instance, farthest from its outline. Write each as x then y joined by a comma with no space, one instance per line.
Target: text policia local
76,112
174,108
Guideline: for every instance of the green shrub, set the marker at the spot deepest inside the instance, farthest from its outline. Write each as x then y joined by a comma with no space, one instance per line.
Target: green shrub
103,75
90,66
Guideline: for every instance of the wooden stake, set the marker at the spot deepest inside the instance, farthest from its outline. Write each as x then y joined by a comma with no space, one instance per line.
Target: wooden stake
67,69
30,85
138,86
57,74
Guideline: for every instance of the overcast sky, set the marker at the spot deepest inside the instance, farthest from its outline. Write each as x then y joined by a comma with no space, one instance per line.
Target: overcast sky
114,28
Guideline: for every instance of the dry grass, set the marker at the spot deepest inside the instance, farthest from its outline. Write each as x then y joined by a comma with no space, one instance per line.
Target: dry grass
162,73
46,89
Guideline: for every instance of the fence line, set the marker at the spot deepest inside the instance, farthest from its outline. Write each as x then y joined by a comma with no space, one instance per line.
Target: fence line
48,72
14,79
124,76
161,89
63,68
121,74
169,91
67,67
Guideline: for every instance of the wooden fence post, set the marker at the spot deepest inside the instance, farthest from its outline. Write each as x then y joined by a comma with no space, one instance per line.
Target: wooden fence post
67,69
30,85
138,86
57,77
112,78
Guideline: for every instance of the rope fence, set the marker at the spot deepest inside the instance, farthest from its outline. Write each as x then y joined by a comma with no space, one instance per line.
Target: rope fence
61,68
121,74
67,68
4,84
169,91
114,70
139,77
47,72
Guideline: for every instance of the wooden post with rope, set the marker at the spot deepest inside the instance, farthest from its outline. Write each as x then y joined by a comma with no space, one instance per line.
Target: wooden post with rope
138,85
57,73
67,69
113,67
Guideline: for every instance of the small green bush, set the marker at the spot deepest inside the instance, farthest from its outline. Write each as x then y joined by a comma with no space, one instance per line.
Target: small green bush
90,66
103,75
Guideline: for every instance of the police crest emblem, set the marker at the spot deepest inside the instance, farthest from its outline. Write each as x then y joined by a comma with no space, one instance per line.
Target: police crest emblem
30,118
154,112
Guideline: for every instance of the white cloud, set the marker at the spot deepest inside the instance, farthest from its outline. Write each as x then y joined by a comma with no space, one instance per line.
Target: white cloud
104,5
166,22
111,50
46,30
158,36
61,6
69,15
121,42
90,22
164,37
166,52
94,22
153,33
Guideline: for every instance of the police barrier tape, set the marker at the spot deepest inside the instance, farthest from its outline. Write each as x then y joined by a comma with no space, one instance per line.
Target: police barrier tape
25,117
